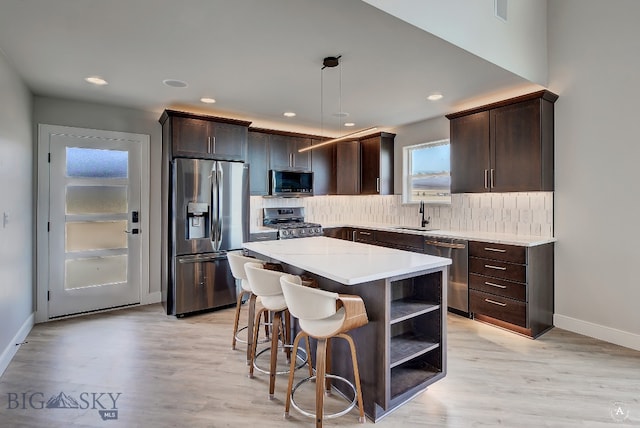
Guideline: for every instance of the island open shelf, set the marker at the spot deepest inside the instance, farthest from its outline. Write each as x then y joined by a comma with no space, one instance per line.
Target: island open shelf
402,349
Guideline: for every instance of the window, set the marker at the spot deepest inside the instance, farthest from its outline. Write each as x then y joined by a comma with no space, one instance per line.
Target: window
427,173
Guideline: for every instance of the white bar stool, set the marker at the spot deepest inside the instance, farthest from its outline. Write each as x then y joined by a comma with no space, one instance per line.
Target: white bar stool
324,315
237,261
266,284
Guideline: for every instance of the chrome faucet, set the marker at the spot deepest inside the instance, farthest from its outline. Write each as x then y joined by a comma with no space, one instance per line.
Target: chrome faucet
423,222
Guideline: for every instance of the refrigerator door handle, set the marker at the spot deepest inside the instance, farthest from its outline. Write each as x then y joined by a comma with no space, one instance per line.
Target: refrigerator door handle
212,216
219,202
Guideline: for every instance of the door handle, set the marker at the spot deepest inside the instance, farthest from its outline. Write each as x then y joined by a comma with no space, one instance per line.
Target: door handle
134,231
494,302
492,181
486,178
495,267
378,184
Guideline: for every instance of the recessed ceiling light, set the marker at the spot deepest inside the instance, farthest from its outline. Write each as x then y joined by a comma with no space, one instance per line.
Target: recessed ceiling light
207,100
289,114
434,97
96,80
175,83
349,124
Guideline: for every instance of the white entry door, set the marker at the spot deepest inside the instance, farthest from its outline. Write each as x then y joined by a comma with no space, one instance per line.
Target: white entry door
95,251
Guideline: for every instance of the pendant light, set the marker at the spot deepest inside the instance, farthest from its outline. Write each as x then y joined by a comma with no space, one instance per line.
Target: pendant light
331,62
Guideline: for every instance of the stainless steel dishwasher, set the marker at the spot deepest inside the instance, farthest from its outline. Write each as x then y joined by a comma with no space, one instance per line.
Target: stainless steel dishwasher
458,282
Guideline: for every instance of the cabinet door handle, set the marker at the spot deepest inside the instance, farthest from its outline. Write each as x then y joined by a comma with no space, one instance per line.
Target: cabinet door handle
486,178
495,285
493,178
214,144
291,160
494,302
497,250
495,267
208,144
378,184
353,235
365,233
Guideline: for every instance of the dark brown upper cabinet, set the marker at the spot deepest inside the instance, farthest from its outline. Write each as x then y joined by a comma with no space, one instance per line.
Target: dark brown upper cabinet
205,137
376,164
505,146
348,167
283,152
258,160
323,167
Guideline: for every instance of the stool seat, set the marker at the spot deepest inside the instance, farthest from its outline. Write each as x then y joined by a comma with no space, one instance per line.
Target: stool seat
325,327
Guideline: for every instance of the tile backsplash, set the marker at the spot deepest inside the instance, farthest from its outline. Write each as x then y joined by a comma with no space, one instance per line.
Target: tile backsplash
529,214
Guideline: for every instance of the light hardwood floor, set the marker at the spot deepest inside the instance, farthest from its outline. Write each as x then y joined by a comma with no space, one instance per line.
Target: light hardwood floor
182,373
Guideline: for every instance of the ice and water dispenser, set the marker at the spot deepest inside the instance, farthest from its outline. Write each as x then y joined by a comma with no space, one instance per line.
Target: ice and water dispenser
197,220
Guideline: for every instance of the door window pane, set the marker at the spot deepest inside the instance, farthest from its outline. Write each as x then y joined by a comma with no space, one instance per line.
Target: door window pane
95,235
95,271
97,163
96,199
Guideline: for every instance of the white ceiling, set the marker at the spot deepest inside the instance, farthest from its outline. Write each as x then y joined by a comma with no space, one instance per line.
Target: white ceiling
257,58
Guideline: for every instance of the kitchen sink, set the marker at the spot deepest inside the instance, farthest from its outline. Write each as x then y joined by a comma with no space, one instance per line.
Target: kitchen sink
418,229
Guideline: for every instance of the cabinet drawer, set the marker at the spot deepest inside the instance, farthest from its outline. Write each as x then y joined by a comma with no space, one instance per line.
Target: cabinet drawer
364,236
404,241
506,253
513,290
498,269
511,311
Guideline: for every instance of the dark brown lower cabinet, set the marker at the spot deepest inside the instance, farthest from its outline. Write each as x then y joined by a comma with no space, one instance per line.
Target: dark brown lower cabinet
512,286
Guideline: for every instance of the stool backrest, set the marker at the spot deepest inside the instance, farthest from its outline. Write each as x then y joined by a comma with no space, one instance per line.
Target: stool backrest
263,282
307,303
237,261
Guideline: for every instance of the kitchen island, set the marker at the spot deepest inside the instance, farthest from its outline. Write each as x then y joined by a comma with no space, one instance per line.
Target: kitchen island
402,349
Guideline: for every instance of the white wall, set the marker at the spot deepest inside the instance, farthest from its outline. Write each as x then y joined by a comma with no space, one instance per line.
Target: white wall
415,133
16,199
56,111
518,45
594,66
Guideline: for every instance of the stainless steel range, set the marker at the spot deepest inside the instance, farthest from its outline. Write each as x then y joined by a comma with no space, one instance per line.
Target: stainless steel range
290,223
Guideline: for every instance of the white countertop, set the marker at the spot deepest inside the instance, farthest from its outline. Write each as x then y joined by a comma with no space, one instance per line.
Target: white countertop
344,261
496,238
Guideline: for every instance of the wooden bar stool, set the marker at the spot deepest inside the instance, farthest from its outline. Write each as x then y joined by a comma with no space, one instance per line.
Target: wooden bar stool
324,315
237,261
266,284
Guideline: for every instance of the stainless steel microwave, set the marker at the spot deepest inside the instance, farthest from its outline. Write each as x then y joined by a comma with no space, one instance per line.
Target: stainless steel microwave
290,184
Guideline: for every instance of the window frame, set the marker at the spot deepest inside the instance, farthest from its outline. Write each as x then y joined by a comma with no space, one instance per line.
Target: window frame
407,176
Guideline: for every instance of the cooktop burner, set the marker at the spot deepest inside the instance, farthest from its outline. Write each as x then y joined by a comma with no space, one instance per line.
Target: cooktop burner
290,223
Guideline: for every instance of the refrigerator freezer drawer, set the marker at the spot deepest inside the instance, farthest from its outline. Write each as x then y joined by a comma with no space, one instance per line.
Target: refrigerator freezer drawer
202,282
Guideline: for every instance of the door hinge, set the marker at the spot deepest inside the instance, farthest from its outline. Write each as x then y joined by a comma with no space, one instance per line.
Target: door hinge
49,157
48,295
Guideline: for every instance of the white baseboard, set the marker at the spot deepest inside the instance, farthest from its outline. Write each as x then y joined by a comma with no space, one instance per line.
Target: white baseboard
11,349
150,298
608,334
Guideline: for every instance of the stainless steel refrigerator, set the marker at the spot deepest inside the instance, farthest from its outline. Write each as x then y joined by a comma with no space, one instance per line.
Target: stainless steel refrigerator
210,216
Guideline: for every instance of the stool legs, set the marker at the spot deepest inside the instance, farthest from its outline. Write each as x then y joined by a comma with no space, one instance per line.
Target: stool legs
237,318
292,367
356,374
323,383
250,327
321,367
277,325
